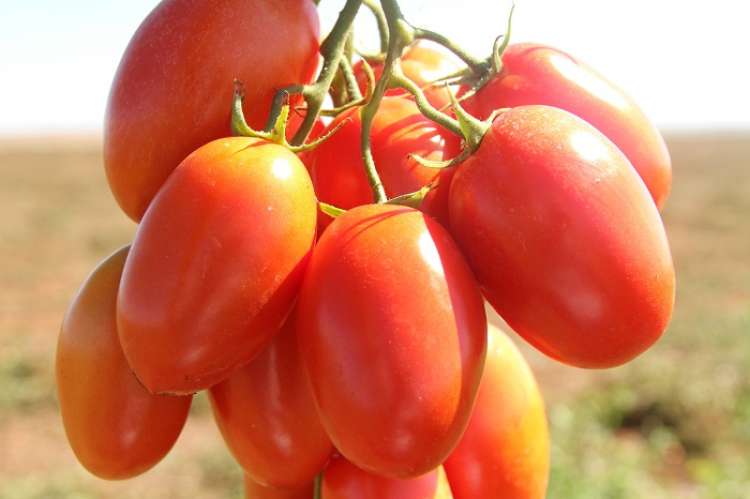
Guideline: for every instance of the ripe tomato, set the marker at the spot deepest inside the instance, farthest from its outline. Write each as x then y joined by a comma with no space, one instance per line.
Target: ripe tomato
116,428
564,238
505,450
216,264
398,131
343,480
254,490
423,63
268,418
392,333
536,74
173,89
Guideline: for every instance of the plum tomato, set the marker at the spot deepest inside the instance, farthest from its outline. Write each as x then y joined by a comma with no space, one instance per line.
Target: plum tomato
392,333
564,238
116,428
216,264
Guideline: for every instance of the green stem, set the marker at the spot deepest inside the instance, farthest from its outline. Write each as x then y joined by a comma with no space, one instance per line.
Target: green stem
427,109
476,65
318,487
380,18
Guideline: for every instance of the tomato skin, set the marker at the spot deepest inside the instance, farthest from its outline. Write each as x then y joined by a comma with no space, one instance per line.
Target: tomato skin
267,415
398,130
538,74
172,94
505,450
392,333
423,63
564,238
343,480
216,264
254,490
115,427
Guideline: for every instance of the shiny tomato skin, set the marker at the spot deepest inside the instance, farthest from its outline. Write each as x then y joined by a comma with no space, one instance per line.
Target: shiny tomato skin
216,264
172,92
505,450
398,131
538,74
266,412
423,63
254,490
392,334
343,480
115,427
564,239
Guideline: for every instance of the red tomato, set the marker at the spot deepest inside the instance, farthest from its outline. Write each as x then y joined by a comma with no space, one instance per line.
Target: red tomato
536,74
343,480
268,418
564,238
398,131
254,490
392,333
116,428
505,450
423,63
216,264
173,90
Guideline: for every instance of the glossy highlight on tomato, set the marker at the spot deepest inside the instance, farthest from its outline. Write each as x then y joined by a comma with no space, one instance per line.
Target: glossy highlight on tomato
173,89
564,239
538,74
116,428
268,418
343,480
505,449
216,264
399,130
392,333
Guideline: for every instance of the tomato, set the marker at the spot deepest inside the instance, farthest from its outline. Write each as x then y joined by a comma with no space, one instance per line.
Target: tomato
116,428
343,480
564,238
173,89
254,490
392,334
216,264
423,63
505,450
537,74
268,418
398,131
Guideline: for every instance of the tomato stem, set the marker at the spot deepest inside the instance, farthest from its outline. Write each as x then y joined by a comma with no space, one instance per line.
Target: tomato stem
380,18
318,487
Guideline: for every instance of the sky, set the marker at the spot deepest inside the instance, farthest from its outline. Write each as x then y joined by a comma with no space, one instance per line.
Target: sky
684,61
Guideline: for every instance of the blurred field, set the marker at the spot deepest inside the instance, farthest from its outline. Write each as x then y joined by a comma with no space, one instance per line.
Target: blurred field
673,424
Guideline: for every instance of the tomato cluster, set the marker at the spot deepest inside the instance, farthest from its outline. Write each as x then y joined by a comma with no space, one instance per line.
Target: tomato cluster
355,349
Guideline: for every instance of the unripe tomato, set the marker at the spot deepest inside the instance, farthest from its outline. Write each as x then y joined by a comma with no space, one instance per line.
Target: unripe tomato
116,428
423,63
216,264
398,131
343,480
564,238
392,333
254,490
537,74
505,450
267,415
173,89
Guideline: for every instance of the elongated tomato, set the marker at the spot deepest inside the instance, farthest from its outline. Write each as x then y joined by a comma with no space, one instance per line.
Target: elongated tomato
398,131
268,418
116,428
216,264
505,450
392,333
564,238
343,480
537,74
173,89
254,490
